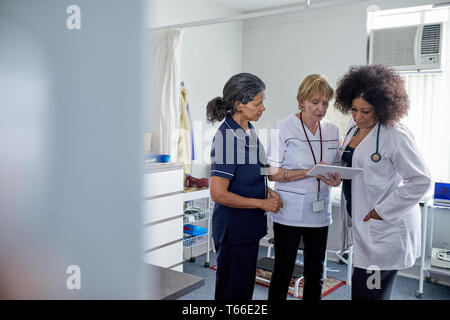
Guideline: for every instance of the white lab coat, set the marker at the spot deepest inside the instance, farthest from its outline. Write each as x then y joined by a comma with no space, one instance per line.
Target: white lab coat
393,186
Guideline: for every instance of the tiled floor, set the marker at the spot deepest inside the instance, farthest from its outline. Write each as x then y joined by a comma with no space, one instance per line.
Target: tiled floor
405,288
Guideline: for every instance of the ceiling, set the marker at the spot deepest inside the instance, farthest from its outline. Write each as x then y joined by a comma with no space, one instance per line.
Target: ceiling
255,5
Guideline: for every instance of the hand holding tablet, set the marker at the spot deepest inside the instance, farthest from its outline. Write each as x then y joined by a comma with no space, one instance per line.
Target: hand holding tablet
324,169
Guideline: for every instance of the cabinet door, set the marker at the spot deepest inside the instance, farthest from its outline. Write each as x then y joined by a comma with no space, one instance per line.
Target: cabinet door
165,256
162,233
162,208
159,183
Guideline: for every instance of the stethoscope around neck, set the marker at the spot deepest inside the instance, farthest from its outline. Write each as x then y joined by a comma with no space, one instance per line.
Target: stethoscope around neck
375,156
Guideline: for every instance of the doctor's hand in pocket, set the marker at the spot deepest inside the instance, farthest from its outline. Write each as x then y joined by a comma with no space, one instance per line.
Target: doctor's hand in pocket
273,203
372,215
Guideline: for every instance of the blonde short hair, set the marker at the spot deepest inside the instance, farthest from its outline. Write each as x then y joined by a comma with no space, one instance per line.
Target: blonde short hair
312,85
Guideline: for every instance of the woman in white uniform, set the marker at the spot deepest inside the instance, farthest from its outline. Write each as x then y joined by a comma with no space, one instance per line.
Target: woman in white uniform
305,139
380,210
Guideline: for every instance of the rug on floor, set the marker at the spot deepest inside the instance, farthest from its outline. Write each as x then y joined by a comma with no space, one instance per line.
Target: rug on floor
329,284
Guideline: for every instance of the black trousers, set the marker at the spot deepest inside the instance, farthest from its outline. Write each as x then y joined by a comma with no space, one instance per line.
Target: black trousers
372,285
287,239
236,270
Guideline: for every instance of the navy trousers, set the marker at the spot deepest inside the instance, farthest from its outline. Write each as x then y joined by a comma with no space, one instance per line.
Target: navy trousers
236,270
365,287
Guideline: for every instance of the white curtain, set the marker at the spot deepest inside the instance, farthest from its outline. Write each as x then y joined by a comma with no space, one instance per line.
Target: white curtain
428,120
164,90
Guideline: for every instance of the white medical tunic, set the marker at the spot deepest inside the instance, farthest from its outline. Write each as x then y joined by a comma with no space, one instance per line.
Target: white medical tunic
289,149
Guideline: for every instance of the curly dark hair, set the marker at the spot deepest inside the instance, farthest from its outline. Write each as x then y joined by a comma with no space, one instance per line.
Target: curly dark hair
380,86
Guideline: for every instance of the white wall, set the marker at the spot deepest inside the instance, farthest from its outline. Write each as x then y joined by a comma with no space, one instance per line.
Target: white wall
284,49
161,13
210,55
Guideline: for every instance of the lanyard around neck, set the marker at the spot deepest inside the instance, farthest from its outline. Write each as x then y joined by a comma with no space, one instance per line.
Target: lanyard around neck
309,142
312,151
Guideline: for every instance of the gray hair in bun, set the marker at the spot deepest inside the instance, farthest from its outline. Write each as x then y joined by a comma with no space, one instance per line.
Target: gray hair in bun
242,87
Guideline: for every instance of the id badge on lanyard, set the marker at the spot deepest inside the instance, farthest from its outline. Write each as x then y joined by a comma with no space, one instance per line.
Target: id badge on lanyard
319,204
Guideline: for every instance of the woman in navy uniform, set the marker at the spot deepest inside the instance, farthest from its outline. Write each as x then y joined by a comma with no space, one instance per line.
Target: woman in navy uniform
238,186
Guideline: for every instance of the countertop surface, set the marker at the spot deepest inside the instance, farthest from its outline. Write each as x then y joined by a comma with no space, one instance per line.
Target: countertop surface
152,167
172,284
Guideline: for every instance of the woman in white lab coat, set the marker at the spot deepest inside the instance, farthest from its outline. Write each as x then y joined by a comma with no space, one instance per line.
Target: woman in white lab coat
380,210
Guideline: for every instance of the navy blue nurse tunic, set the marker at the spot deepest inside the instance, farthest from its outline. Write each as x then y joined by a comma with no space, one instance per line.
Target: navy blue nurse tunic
236,232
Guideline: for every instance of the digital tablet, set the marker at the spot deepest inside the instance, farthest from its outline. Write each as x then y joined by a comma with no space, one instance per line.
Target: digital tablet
344,172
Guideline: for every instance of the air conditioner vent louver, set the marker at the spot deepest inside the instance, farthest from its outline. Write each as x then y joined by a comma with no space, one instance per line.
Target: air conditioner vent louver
406,48
431,38
397,54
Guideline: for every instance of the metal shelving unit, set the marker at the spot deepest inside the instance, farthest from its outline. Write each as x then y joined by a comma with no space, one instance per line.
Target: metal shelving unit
197,209
425,259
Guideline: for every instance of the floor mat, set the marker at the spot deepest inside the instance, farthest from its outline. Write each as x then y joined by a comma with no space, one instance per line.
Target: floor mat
329,284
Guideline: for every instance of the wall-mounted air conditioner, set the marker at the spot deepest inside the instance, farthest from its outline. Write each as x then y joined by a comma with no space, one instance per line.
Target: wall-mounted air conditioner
417,47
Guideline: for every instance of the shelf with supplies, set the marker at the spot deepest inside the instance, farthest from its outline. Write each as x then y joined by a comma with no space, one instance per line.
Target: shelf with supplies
197,213
191,241
432,260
